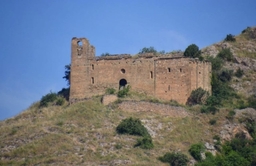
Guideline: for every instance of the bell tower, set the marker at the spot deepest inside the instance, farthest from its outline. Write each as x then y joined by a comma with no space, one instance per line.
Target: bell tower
82,53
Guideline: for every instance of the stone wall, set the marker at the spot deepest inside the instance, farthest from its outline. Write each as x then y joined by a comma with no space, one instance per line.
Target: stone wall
166,78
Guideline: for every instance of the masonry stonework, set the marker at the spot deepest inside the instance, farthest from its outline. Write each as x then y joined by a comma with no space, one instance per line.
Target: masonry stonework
168,78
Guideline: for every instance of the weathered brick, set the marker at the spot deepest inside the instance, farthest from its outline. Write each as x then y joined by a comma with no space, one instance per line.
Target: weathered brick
171,78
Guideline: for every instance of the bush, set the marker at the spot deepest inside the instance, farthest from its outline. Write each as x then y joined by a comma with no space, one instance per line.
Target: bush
192,51
105,54
217,62
239,73
246,30
133,127
252,102
230,37
195,150
209,109
148,50
250,125
110,91
212,101
174,159
65,93
212,122
231,115
124,92
45,100
225,75
144,143
225,54
198,96
60,101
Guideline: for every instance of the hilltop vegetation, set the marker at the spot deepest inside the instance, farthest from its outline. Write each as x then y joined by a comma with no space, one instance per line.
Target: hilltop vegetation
137,130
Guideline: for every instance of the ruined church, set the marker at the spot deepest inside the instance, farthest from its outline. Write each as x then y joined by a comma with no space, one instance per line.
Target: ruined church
167,78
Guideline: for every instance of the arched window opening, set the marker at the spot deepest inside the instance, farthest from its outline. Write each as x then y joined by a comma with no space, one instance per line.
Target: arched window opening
123,71
180,69
122,83
80,43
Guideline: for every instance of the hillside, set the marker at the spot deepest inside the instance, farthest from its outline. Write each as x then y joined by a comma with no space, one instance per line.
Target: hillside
244,52
84,133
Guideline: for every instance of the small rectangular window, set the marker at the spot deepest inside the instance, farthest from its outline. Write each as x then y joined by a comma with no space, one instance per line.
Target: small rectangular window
92,80
169,69
92,66
151,74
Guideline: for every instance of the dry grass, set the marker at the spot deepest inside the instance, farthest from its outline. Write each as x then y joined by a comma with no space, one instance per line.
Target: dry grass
84,134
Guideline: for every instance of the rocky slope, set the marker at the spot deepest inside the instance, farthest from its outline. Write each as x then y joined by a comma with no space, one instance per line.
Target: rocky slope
244,52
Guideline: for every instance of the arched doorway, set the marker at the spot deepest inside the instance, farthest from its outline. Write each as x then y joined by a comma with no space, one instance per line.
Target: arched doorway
122,83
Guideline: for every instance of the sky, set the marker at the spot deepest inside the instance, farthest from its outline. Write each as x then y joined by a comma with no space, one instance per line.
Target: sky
35,36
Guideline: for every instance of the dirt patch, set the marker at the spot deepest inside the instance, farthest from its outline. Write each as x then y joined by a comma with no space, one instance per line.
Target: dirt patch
162,109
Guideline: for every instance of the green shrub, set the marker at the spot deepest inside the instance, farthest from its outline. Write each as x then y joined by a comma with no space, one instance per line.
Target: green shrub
148,50
132,126
198,96
195,150
230,37
226,54
212,101
192,51
252,102
118,146
124,92
225,75
110,91
216,62
105,54
209,109
220,89
45,100
250,125
174,103
246,30
144,143
65,93
231,115
174,159
60,101
239,73
212,122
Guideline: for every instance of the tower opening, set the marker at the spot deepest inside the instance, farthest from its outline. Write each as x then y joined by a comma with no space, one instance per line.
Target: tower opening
80,43
122,83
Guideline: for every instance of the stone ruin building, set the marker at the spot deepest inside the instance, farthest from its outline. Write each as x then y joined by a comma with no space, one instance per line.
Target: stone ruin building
168,78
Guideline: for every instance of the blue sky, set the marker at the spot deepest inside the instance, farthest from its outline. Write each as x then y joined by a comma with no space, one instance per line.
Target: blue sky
36,35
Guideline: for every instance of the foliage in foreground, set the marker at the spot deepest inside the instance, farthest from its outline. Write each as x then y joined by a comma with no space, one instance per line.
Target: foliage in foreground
198,96
230,37
192,51
67,73
145,143
174,159
237,152
195,150
110,91
133,126
51,98
123,92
